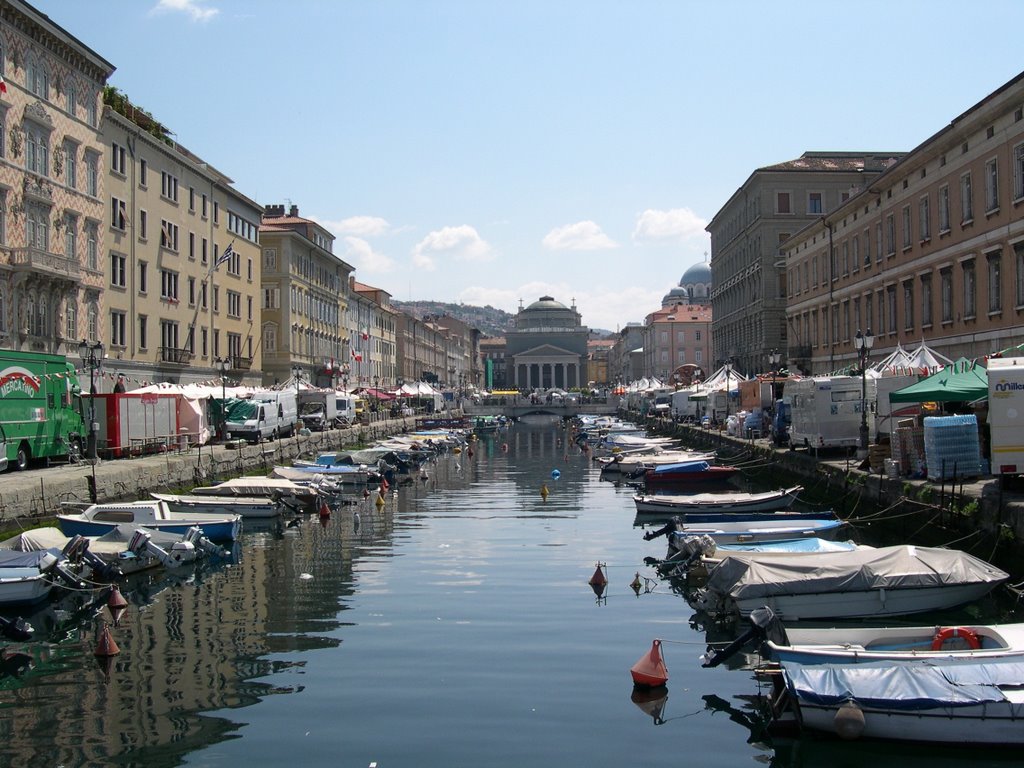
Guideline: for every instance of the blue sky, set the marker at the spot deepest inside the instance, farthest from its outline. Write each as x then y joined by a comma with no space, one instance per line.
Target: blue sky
485,152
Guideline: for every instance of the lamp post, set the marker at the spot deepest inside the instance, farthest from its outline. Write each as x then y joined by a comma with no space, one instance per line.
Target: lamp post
774,358
863,342
297,375
92,356
728,369
344,376
222,366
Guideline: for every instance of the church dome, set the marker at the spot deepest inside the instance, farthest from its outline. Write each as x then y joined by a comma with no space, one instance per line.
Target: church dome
545,302
547,313
698,273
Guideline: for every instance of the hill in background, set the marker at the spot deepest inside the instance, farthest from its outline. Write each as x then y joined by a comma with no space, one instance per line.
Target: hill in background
491,321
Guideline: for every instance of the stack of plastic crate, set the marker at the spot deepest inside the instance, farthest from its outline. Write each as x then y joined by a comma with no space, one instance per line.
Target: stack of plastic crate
951,446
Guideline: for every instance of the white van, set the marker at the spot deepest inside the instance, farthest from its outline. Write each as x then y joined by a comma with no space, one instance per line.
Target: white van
264,416
826,411
345,406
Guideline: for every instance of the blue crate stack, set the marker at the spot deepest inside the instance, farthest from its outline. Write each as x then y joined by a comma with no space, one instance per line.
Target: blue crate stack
951,447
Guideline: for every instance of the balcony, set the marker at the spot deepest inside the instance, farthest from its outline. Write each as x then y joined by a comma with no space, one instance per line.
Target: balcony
175,356
42,262
239,363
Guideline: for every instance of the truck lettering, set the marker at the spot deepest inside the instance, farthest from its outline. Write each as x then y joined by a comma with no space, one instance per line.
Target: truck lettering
1008,386
16,379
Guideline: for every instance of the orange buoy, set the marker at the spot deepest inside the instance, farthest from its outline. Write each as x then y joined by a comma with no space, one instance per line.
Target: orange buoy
105,645
650,671
544,491
384,483
115,599
325,511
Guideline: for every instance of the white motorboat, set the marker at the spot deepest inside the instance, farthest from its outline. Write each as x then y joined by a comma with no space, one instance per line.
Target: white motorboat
632,463
767,527
941,701
293,495
25,577
667,505
858,644
246,506
887,581
98,519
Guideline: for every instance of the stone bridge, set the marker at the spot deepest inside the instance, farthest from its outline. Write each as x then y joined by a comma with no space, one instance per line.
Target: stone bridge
513,410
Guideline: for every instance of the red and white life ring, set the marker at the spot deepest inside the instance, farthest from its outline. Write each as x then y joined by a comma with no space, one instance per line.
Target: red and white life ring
969,636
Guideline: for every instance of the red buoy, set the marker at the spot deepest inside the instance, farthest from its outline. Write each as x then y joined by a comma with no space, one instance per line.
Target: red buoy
105,645
384,483
598,579
650,671
366,493
115,599
325,510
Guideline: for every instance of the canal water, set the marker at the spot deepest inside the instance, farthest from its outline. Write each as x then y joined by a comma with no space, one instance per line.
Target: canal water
454,627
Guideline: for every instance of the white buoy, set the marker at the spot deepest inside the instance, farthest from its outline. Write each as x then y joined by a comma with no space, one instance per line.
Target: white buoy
849,721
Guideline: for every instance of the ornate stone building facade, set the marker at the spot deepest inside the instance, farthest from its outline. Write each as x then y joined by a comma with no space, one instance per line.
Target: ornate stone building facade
548,347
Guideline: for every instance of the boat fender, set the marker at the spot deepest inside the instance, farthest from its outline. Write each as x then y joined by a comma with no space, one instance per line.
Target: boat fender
969,636
849,721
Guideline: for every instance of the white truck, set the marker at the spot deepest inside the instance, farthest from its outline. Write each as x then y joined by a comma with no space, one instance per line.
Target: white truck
318,409
826,410
266,415
1006,414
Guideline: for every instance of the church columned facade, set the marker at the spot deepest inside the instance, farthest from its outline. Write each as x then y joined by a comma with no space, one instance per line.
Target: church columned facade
548,347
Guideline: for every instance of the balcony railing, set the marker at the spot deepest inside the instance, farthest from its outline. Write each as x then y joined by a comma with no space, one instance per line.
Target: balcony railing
175,355
239,363
40,261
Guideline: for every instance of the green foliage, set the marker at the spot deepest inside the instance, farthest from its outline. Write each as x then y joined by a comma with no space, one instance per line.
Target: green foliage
120,103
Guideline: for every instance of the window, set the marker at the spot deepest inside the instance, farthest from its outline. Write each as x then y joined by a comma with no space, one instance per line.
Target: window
37,78
946,278
143,172
37,149
118,337
37,226
169,285
234,304
216,213
908,232
991,186
924,223
995,286
205,254
92,179
70,164
118,218
168,235
944,209
908,305
118,277
192,199
966,199
192,246
867,247
970,290
269,258
813,203
846,257
3,217
92,320
890,300
269,339
71,104
143,275
91,109
271,298
782,203
142,331
169,334
926,301
204,206
71,236
92,256
71,320
890,235
117,158
696,335
142,225
204,337
169,186
191,291
248,308
1018,172
1018,253
202,295
856,253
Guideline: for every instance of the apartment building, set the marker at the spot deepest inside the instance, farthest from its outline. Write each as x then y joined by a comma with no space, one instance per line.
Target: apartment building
305,301
422,350
749,294
181,260
52,204
932,249
677,343
373,328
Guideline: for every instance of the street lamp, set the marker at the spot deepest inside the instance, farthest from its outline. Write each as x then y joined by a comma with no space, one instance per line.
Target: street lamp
863,342
344,376
222,366
297,375
92,356
774,358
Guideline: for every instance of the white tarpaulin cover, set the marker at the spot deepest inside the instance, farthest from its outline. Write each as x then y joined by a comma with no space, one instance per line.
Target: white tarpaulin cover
900,567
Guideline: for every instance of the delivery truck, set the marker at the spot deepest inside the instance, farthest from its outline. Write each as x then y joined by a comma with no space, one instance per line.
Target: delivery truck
825,411
41,407
266,415
1006,415
318,409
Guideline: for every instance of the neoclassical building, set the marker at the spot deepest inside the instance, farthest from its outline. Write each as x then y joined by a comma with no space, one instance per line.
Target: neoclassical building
548,347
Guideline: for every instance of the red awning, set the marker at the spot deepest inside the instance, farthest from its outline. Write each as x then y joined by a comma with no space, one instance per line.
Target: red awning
379,394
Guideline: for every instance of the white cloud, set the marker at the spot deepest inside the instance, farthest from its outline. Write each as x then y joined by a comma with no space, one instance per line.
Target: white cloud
191,7
676,224
360,226
462,243
361,255
581,236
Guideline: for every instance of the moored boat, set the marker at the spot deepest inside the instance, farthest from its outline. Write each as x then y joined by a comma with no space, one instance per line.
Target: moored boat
246,506
97,519
687,473
674,504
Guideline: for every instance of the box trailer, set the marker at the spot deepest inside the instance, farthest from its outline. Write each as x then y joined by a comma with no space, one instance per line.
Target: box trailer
41,408
825,412
1006,414
888,415
130,423
318,409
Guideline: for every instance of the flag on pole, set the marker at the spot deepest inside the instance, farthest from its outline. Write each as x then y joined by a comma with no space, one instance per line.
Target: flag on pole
3,85
229,252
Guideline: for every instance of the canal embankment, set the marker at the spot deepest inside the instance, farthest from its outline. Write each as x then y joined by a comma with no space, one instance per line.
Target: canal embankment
34,495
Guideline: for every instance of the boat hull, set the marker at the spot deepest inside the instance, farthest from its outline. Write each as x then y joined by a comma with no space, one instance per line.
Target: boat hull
673,505
214,505
739,533
23,586
225,530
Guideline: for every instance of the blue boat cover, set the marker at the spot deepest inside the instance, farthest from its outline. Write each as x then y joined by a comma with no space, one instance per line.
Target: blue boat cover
812,544
683,466
13,559
905,685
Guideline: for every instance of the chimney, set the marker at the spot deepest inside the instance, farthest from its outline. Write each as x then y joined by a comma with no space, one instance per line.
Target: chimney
294,211
272,211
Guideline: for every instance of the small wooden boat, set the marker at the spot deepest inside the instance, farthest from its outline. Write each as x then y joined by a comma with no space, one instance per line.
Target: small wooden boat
941,701
688,473
668,505
858,644
887,581
246,506
97,519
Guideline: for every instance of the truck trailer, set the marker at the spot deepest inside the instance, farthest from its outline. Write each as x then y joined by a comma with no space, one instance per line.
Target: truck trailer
826,410
41,407
1006,415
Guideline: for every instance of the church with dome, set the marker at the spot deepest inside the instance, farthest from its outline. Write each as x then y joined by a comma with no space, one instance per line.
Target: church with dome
547,348
694,287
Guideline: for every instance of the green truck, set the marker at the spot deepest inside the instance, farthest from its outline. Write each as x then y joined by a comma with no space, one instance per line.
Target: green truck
41,410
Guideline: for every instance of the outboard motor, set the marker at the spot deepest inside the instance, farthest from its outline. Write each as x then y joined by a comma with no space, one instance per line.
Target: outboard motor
16,629
763,623
195,537
675,524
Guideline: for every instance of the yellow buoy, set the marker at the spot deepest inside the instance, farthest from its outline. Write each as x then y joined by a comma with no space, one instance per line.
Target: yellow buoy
544,491
457,450
380,501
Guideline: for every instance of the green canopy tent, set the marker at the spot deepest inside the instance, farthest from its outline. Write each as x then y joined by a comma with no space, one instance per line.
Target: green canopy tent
961,381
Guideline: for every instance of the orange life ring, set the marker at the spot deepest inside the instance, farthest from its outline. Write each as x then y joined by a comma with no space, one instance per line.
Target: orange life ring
945,633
